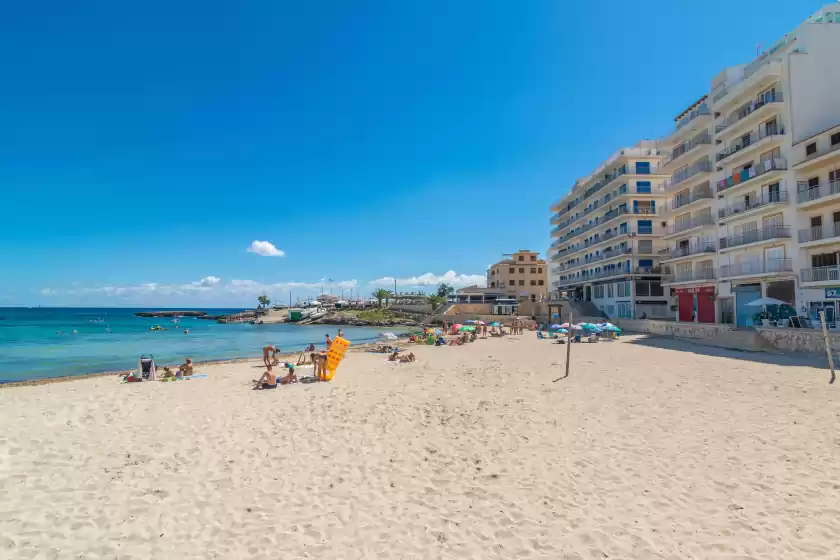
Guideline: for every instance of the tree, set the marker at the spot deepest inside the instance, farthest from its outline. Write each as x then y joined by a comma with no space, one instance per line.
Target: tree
382,294
264,301
436,301
445,290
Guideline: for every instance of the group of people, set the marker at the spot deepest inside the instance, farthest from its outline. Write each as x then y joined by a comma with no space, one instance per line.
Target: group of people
318,360
518,327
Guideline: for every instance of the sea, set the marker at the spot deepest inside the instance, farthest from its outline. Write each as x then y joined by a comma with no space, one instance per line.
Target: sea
46,342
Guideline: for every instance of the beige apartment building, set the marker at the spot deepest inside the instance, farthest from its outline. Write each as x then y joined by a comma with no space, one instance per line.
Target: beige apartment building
523,275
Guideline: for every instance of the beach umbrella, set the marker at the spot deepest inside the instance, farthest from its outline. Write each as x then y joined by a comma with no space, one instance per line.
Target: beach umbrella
467,328
495,324
480,323
564,326
388,336
469,322
555,327
611,328
562,331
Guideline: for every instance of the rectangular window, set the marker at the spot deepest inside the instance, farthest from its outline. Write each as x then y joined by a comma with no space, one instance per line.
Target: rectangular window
642,288
645,226
642,168
646,247
835,138
533,270
512,271
522,282
521,271
533,282
610,290
533,258
521,258
811,149
643,187
645,263
540,282
539,270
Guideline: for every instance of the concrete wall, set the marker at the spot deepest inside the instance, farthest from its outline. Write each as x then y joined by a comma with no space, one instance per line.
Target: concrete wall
673,328
815,103
424,308
799,340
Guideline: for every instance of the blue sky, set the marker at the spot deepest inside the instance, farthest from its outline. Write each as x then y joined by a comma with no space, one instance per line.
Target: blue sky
144,148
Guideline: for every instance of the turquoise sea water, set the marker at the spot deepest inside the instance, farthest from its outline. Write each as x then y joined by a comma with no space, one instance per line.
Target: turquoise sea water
39,342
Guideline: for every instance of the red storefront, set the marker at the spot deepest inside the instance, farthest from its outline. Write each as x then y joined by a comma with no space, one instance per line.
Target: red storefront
700,300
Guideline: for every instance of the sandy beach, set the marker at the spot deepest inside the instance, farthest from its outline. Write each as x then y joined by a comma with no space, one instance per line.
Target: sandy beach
651,448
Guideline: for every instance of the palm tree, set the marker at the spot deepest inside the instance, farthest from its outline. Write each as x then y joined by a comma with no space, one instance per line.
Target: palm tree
382,294
435,301
445,290
264,301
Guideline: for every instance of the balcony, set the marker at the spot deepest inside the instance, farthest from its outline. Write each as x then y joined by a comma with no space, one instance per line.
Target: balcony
700,111
777,197
747,175
770,266
698,221
651,270
681,176
696,248
750,140
818,154
818,233
806,193
683,201
698,275
685,147
749,109
820,274
755,236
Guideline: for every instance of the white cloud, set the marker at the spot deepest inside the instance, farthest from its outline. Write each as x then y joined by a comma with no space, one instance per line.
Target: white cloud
430,279
265,249
209,281
251,287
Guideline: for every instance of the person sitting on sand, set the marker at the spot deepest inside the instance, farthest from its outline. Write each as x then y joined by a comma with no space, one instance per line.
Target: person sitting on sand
406,359
289,377
267,381
186,368
393,357
273,351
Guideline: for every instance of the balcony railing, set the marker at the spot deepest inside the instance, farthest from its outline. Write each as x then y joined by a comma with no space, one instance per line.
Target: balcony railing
747,175
698,112
769,266
702,166
651,270
679,202
805,193
818,233
820,274
687,146
819,153
749,108
696,248
692,276
755,235
750,139
775,197
702,220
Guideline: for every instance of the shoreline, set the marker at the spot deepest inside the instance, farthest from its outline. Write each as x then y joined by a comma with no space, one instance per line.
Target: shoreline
285,356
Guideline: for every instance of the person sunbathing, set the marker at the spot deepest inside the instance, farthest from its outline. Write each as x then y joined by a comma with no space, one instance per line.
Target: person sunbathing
393,357
406,359
289,377
267,381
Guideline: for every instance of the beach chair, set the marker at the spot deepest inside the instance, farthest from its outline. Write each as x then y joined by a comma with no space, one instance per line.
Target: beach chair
146,368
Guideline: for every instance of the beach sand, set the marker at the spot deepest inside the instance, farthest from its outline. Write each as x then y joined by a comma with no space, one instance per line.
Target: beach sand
650,449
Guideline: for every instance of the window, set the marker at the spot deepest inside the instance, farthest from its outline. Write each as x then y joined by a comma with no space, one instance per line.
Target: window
642,288
833,176
540,282
533,270
533,282
811,149
521,271
835,138
643,187
646,247
624,309
642,168
522,282
492,284
610,290
645,227
521,257
512,271
533,258
539,270
813,182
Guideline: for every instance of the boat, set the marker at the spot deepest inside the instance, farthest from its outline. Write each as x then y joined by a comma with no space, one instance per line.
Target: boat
99,319
176,320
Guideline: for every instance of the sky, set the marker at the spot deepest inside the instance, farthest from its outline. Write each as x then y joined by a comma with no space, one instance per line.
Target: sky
201,153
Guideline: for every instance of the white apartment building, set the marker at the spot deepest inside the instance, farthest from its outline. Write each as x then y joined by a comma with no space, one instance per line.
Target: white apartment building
608,232
753,198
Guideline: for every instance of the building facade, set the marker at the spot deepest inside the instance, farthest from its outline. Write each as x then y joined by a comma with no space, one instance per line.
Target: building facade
522,275
607,236
753,198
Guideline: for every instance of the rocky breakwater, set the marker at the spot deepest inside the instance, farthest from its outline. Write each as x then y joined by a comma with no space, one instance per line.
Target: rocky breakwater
338,318
170,314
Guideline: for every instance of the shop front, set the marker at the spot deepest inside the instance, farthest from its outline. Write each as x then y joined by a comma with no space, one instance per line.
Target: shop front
696,305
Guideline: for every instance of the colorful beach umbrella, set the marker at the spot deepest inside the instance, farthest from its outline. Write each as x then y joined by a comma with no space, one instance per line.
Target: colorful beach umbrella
470,322
495,324
555,327
564,326
467,328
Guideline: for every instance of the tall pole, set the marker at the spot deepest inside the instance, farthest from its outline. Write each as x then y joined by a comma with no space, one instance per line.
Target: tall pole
568,343
827,346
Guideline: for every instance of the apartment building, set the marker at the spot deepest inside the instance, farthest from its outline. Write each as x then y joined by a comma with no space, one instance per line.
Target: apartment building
753,197
607,235
521,275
